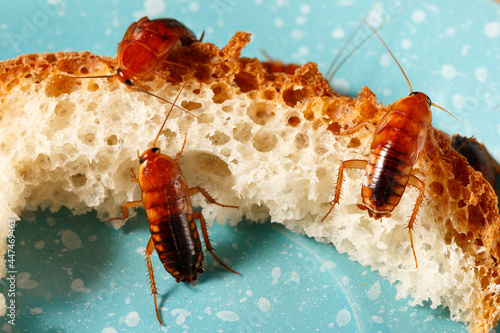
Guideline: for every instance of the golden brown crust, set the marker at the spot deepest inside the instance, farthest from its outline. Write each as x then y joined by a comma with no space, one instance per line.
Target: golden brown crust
467,201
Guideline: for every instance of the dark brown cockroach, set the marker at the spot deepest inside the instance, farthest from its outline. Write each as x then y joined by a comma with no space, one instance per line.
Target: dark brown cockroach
478,157
174,235
398,140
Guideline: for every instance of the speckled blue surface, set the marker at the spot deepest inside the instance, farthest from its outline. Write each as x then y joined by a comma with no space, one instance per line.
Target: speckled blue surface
78,275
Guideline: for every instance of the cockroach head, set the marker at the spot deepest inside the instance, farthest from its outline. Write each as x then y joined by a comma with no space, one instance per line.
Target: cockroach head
422,96
123,78
150,153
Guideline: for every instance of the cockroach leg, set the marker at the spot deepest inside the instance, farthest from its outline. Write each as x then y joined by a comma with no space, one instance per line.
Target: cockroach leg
420,185
350,164
134,178
149,249
369,126
125,208
178,156
204,232
207,196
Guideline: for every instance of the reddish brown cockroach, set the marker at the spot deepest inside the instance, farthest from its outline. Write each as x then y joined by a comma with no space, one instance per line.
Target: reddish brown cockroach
398,140
145,44
165,197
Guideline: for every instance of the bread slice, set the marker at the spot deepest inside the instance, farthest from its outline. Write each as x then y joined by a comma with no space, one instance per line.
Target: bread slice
265,142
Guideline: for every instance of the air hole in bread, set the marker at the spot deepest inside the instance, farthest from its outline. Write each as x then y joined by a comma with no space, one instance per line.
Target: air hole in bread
437,188
220,93
293,121
64,108
260,112
93,87
207,162
61,85
112,140
246,81
219,138
354,143
269,95
301,141
292,96
264,141
79,180
190,105
243,132
87,137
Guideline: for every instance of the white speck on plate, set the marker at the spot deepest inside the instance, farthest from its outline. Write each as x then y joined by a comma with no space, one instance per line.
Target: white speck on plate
449,72
458,100
154,7
278,22
492,30
297,34
481,74
465,50
141,250
194,6
295,277
418,16
385,60
24,282
36,311
300,20
374,292
227,316
429,318
92,238
276,274
303,50
450,32
51,221
249,293
345,280
109,330
132,319
181,315
406,44
70,239
343,317
39,245
78,286
305,9
264,304
208,310
338,33
328,263
128,300
378,319
243,300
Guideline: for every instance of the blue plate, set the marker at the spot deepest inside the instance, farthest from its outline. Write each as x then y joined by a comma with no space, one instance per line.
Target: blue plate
77,274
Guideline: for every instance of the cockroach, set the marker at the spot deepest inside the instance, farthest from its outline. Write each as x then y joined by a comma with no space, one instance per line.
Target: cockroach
478,157
145,44
174,235
398,140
